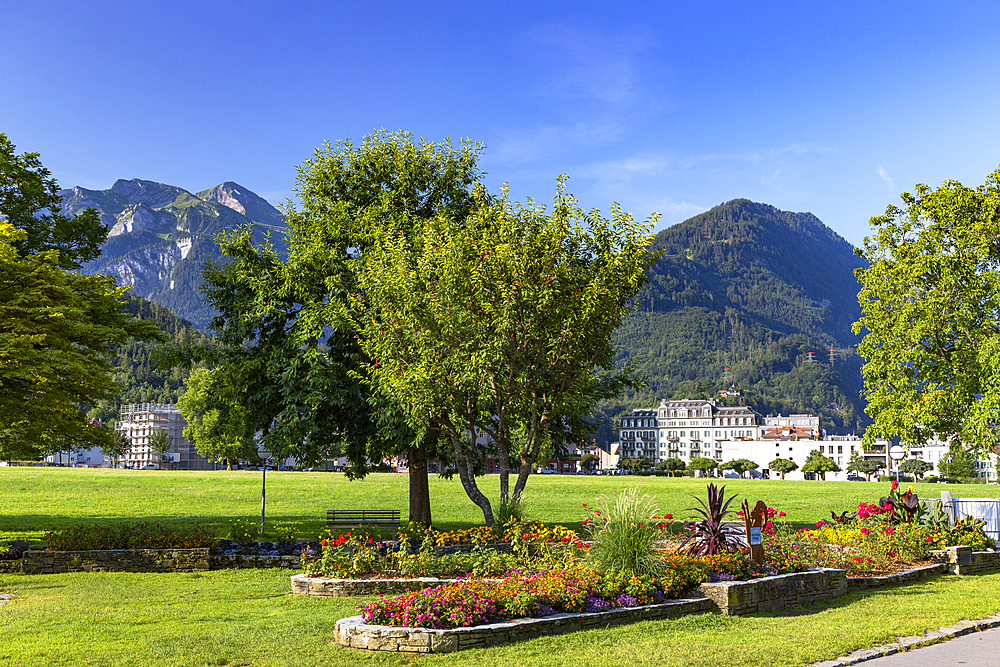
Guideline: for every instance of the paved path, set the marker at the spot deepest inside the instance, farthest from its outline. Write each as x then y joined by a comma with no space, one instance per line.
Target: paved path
979,648
965,643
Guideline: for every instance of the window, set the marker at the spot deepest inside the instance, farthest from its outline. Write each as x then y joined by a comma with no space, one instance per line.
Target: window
840,449
821,451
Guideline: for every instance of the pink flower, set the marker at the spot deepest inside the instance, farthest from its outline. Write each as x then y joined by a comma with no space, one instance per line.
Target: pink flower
865,531
820,523
781,514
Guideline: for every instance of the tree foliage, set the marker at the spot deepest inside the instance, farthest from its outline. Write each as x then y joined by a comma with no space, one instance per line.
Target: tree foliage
819,464
866,467
160,442
739,466
500,323
959,463
215,427
29,200
915,467
783,466
931,310
57,329
703,463
672,466
116,446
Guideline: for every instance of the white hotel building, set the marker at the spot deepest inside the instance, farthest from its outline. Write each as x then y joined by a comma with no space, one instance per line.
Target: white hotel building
689,429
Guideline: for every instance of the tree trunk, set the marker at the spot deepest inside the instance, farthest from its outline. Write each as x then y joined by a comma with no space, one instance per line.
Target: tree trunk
467,475
420,495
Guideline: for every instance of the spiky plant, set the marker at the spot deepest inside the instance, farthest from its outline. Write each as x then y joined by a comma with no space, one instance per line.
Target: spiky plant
709,535
624,530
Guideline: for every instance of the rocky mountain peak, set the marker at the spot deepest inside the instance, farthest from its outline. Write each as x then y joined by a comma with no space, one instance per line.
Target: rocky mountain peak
240,199
136,190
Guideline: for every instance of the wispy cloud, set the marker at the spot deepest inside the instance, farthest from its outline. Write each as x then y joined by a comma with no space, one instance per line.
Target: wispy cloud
884,175
588,87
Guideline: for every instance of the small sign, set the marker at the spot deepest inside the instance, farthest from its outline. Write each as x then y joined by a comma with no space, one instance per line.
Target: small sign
754,535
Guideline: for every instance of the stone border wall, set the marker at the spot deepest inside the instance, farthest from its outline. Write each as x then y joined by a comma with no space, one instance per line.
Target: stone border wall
905,577
240,561
963,560
10,566
117,560
777,592
354,633
343,588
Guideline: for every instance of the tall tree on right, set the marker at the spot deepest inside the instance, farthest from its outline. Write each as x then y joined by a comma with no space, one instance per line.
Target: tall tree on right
931,309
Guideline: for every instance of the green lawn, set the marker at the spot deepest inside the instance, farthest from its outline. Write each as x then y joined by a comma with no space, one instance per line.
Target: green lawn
248,617
33,500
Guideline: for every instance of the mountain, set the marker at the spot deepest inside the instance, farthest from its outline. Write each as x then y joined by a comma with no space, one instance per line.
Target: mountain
134,367
160,235
741,296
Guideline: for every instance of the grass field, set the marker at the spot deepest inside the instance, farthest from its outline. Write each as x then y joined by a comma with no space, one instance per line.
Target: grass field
33,500
249,617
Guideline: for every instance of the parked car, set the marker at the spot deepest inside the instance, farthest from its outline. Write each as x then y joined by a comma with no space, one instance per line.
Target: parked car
855,478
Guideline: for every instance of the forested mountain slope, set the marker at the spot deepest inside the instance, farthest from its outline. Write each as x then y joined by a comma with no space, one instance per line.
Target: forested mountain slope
752,289
135,371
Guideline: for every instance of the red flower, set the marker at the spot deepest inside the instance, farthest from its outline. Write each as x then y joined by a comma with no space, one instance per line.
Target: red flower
668,517
895,484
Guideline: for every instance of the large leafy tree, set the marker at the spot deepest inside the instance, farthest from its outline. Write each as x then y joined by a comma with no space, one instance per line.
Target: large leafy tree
819,464
29,200
57,329
931,310
703,464
866,467
290,356
215,427
915,467
783,466
739,466
499,322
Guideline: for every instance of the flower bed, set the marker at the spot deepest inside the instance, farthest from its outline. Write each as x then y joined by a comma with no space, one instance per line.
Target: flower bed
143,535
354,632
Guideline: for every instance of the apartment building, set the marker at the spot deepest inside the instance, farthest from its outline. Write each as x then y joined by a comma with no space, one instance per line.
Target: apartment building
686,429
139,421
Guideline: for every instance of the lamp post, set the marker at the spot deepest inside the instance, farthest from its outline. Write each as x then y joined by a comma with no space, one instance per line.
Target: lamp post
265,455
896,453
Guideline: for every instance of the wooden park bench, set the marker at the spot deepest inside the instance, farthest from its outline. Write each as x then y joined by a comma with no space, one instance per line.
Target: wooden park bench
362,517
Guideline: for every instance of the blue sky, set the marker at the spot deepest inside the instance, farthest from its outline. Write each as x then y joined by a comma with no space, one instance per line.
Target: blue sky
832,108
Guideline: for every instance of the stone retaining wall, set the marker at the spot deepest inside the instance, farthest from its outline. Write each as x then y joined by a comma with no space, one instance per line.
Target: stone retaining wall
238,561
772,593
8,566
906,577
354,633
963,560
343,588
117,560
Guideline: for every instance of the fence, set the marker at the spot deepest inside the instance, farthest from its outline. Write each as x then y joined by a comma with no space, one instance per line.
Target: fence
980,508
